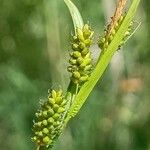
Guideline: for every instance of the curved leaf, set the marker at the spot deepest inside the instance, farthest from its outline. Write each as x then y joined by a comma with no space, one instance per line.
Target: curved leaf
75,14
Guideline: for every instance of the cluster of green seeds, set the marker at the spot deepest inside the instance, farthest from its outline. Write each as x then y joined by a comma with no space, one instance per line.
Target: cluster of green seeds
106,40
80,61
49,119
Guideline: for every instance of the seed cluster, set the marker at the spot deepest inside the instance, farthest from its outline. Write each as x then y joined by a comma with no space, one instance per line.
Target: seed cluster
49,119
108,37
80,61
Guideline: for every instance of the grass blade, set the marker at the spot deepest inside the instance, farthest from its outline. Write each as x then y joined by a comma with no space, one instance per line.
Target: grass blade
75,14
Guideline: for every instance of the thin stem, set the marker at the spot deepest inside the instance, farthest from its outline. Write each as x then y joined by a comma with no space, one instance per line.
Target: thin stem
71,87
38,148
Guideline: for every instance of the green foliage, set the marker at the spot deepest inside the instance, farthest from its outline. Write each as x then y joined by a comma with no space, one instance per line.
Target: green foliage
116,115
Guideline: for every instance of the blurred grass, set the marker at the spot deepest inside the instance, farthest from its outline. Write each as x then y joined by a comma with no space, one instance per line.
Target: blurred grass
33,53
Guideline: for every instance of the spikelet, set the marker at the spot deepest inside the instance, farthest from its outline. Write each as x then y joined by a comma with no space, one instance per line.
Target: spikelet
117,16
104,42
49,119
113,27
80,61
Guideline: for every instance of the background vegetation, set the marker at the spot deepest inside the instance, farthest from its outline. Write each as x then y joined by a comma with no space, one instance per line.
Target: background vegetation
34,45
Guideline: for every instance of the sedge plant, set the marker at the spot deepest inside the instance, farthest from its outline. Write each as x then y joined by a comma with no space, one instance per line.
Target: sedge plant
60,106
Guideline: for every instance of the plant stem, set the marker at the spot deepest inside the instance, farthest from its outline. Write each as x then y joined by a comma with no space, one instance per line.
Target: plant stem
41,148
72,88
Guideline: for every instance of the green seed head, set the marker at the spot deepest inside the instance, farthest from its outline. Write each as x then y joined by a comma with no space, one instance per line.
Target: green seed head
49,119
81,56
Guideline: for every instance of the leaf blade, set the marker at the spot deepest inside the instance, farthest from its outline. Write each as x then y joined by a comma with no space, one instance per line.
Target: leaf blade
75,14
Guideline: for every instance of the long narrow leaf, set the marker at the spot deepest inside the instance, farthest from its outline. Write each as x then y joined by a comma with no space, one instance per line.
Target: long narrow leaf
75,14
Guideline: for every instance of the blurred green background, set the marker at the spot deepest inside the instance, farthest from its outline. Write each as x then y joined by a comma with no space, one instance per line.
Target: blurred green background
34,45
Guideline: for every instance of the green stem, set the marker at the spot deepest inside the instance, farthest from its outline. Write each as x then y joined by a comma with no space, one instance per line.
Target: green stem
40,148
72,92
72,87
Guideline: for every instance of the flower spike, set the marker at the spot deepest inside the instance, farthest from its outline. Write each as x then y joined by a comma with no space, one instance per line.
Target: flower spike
80,61
49,119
